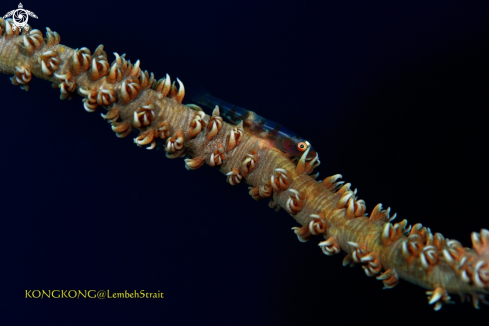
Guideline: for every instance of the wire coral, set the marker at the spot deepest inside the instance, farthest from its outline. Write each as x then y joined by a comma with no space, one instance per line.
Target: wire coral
328,208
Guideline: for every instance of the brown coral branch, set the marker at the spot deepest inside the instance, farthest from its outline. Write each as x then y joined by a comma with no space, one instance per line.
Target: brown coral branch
329,208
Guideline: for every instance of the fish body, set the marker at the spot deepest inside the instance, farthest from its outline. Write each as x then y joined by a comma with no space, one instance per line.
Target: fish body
273,133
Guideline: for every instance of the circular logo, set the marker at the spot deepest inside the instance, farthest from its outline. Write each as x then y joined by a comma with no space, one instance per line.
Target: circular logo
20,18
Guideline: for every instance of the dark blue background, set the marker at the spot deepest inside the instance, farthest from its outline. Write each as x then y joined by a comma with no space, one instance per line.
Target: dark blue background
392,94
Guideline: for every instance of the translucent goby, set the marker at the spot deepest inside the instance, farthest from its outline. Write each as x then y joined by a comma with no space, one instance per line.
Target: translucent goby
273,133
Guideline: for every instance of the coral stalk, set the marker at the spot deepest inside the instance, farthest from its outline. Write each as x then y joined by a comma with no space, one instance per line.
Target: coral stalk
134,100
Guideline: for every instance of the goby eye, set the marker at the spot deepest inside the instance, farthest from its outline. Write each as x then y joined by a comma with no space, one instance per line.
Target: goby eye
302,146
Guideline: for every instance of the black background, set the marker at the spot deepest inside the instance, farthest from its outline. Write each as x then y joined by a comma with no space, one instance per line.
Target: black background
392,94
